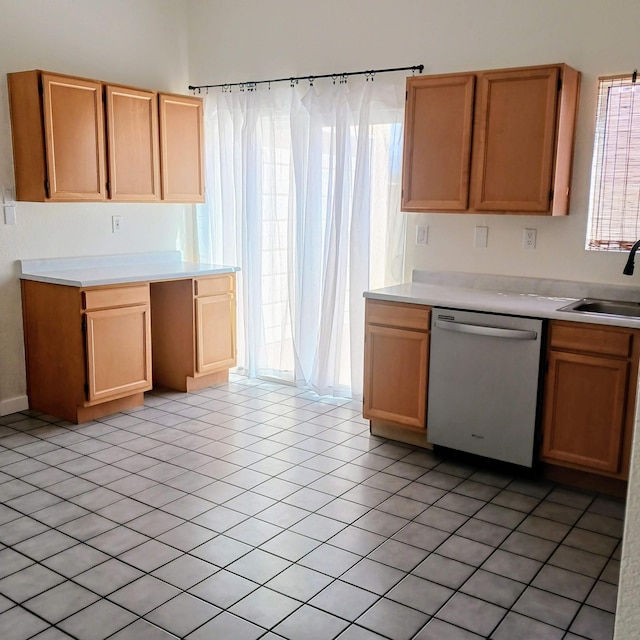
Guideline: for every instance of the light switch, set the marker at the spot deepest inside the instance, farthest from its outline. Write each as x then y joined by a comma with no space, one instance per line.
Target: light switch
480,237
10,214
9,196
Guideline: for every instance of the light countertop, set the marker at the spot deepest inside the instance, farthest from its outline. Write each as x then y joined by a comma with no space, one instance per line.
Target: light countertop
94,271
529,297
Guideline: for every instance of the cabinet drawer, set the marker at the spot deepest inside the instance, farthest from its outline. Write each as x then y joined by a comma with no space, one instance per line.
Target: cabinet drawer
398,314
213,286
591,339
116,297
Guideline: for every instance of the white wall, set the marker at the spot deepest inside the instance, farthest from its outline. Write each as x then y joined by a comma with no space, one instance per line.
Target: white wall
142,43
239,40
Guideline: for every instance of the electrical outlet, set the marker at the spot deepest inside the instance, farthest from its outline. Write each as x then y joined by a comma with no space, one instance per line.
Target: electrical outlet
422,234
529,239
480,237
116,224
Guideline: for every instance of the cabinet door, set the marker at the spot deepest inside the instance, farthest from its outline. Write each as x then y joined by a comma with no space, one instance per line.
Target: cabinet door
181,148
74,138
118,352
584,413
215,333
132,130
437,150
395,375
514,144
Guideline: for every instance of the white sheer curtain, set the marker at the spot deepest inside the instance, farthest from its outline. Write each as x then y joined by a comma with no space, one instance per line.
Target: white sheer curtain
303,194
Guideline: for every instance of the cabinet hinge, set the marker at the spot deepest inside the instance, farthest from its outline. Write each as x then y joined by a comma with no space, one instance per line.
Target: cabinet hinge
550,195
559,84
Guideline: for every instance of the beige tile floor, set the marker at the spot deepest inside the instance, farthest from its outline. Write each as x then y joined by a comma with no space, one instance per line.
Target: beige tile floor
256,510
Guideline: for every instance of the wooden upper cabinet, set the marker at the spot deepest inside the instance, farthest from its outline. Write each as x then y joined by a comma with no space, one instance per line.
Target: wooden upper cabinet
133,144
521,125
438,126
516,114
181,148
73,136
58,137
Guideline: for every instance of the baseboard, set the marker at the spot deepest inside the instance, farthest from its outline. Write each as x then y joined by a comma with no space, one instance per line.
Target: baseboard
13,405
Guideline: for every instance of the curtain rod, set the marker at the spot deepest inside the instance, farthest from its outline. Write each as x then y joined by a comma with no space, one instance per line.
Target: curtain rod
341,76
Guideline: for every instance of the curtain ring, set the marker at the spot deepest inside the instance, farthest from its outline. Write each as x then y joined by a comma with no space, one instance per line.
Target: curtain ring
334,77
310,81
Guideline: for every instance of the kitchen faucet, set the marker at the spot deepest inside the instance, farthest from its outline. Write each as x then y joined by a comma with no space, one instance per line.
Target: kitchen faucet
628,268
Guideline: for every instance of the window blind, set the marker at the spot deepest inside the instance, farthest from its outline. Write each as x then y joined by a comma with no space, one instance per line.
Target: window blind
614,204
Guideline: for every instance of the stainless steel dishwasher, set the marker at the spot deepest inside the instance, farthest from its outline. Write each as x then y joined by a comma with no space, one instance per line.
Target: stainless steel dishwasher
484,372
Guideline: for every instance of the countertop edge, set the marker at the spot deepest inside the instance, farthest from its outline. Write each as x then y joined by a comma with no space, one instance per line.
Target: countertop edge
489,301
113,270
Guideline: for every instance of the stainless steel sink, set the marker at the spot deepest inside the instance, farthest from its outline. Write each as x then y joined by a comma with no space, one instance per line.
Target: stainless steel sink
592,306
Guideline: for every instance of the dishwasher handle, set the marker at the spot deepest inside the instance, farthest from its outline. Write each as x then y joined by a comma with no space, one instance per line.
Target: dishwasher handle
482,330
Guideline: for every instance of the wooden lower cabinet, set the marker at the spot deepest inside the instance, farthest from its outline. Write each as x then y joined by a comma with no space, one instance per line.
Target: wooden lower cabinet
88,351
215,333
94,351
589,399
396,364
589,391
194,331
118,351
